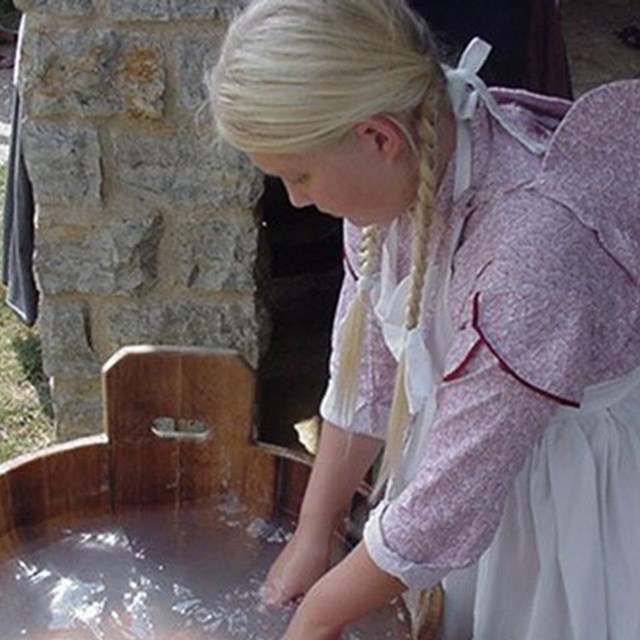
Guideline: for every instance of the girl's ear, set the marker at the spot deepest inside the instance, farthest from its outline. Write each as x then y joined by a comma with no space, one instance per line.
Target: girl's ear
381,135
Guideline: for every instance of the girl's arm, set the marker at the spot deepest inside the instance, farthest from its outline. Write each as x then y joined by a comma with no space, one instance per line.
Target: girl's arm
349,591
342,460
486,424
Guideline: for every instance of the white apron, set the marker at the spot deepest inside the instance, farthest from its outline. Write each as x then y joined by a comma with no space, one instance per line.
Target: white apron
572,520
565,561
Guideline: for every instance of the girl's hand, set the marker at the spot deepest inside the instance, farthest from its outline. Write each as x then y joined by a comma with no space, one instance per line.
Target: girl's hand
303,561
349,591
340,465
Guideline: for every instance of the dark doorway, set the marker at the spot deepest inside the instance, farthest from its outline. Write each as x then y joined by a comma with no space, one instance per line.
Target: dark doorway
299,286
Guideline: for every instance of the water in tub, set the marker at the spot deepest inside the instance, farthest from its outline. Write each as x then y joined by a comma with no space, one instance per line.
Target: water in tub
155,575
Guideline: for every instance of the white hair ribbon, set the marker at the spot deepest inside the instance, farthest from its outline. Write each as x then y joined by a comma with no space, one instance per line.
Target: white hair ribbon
465,89
365,284
419,376
390,303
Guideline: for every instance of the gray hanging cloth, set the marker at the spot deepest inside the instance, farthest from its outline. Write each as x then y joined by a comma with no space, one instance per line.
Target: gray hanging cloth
18,244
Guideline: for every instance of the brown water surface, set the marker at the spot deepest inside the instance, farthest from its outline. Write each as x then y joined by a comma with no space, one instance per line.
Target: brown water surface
154,574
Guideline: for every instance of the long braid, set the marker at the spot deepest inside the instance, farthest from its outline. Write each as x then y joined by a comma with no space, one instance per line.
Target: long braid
425,197
352,333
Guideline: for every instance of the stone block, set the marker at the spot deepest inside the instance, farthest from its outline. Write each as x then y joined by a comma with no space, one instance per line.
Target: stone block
186,169
218,254
63,162
66,340
140,10
228,324
92,72
120,256
202,9
56,7
165,10
194,60
78,407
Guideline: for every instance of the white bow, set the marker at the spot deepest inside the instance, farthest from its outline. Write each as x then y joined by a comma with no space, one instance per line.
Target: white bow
390,304
465,89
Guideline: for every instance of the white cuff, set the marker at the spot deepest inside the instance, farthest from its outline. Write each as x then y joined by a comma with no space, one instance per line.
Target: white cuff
329,407
414,575
368,419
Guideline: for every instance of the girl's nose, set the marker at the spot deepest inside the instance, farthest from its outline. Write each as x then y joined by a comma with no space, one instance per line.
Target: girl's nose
297,196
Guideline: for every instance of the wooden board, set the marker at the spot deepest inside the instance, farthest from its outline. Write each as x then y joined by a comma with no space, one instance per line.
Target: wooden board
216,388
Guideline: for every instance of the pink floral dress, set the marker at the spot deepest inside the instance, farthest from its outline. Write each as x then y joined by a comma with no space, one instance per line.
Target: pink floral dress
520,488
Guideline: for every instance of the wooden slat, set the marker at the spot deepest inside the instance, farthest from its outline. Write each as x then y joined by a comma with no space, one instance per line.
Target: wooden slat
28,489
90,479
6,509
61,481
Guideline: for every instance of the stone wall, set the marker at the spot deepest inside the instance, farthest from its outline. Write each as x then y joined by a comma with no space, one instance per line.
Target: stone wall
146,230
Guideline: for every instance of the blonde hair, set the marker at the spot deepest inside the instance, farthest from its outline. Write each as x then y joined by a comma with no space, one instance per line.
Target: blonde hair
423,206
297,75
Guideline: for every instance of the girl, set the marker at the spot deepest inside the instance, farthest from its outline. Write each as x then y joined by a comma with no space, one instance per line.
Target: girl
492,243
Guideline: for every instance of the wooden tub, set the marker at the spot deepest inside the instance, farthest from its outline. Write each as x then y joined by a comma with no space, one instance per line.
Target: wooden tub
180,431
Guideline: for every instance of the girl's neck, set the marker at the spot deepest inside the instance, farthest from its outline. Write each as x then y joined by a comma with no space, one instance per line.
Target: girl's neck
446,141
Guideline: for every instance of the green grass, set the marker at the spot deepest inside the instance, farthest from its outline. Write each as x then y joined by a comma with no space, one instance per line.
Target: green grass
26,416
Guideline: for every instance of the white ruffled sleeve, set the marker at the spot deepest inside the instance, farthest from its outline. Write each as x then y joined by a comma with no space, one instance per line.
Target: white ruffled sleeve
414,574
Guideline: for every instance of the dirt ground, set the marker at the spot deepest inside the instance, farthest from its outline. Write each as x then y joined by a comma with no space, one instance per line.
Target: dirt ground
596,54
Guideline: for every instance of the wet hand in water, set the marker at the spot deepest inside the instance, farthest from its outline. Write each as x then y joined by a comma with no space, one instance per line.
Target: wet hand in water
302,562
